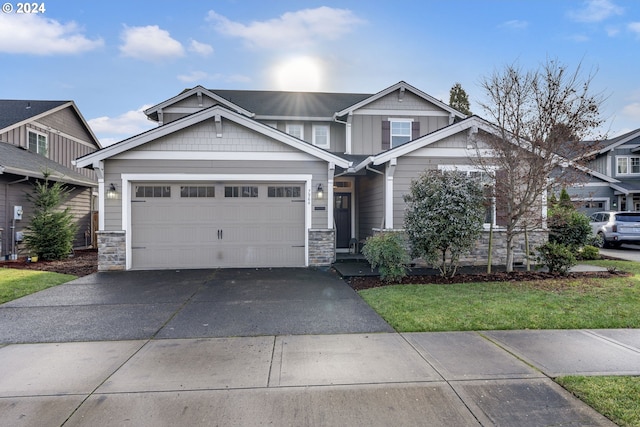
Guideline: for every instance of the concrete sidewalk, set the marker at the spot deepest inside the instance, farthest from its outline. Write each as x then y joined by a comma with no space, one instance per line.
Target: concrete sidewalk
376,379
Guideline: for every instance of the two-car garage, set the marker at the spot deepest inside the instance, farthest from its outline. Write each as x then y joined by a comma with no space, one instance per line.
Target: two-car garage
209,224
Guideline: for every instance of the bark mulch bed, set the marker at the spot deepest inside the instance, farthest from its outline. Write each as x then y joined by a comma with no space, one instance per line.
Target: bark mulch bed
81,263
542,280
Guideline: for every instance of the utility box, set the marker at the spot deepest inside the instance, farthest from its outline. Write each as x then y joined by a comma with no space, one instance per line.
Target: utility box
17,213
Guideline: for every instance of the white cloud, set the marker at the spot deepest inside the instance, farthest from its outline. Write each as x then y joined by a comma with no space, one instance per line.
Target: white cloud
596,11
634,27
194,76
113,129
202,49
632,110
33,34
150,43
292,29
515,24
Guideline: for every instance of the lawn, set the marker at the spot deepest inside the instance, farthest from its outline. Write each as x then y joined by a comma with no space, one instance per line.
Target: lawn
16,283
548,304
617,398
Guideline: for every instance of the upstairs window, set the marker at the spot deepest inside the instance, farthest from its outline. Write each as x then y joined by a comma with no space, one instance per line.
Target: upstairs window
38,143
321,136
400,132
296,130
628,165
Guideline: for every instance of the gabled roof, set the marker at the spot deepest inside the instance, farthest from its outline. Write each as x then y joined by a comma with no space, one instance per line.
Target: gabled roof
16,112
152,112
215,112
18,161
400,86
610,144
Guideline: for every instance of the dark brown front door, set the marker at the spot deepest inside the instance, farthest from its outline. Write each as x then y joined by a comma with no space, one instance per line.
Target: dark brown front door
342,218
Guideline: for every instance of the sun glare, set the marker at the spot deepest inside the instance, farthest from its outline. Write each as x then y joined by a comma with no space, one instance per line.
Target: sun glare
298,74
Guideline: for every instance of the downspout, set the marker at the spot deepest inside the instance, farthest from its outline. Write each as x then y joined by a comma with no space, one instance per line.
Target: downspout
388,194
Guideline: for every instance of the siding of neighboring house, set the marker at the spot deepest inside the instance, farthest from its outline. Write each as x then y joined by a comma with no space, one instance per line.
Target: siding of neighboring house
78,202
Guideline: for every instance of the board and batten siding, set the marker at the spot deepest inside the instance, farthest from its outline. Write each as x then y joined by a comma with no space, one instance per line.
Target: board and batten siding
370,196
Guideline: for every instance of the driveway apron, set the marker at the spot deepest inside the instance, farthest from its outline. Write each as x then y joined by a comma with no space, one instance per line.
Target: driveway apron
189,304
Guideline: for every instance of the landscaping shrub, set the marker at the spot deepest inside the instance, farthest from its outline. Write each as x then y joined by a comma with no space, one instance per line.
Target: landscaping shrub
588,252
556,257
387,252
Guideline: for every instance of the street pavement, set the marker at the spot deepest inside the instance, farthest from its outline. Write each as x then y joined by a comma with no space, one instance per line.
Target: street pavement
182,362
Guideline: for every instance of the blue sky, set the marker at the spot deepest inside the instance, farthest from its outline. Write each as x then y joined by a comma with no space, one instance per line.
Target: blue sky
116,58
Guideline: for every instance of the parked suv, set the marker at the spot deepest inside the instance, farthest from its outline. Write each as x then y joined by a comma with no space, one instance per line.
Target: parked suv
616,228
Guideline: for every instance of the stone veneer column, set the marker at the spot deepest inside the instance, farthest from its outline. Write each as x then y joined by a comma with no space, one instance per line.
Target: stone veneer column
322,251
112,250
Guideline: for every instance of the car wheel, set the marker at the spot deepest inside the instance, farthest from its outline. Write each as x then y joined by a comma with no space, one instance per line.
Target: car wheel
600,242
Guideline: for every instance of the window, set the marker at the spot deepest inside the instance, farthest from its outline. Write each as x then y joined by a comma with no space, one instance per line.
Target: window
400,131
628,165
197,191
152,191
246,191
38,143
290,192
321,136
296,130
486,178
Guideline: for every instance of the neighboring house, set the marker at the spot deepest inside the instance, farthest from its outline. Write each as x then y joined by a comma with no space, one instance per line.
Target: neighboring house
234,178
613,181
39,136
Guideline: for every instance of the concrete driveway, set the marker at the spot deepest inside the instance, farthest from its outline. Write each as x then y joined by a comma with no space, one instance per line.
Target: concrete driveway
624,252
189,304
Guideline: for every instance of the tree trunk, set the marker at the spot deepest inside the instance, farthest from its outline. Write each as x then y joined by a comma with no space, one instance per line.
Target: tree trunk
490,249
510,235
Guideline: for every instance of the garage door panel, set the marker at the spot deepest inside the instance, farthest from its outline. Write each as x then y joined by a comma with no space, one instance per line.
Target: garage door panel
189,232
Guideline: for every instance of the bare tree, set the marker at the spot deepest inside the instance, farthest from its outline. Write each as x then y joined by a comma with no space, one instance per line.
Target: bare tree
540,119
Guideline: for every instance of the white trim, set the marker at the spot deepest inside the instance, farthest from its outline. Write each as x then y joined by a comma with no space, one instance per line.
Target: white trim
128,178
450,152
388,194
101,203
313,136
294,118
417,113
214,155
331,169
49,129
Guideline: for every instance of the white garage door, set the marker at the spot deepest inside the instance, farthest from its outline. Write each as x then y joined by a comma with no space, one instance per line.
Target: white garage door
207,225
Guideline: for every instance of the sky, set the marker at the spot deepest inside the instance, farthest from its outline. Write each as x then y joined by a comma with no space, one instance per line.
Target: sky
117,58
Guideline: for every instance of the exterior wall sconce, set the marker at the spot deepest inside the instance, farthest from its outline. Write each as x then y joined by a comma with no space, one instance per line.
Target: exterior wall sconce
320,192
112,192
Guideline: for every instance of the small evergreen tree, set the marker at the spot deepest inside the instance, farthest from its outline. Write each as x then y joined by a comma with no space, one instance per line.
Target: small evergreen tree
567,226
459,100
51,230
444,218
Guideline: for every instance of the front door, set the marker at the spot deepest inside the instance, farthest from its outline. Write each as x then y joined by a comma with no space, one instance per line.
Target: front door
342,218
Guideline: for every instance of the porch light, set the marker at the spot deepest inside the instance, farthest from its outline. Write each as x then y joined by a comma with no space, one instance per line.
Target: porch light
320,192
112,192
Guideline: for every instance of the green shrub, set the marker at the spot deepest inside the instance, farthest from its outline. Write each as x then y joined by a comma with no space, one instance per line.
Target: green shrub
569,227
556,257
588,252
387,252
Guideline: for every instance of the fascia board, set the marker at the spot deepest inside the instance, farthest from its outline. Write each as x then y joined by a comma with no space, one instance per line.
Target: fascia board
622,141
198,117
39,116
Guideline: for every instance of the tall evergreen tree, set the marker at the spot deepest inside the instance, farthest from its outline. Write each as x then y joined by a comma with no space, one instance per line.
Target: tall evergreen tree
459,100
52,229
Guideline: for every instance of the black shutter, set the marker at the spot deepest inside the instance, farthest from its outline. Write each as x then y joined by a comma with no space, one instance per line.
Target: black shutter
386,134
415,130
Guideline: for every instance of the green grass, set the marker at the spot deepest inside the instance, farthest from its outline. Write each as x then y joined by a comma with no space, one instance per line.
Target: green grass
550,304
617,398
16,283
